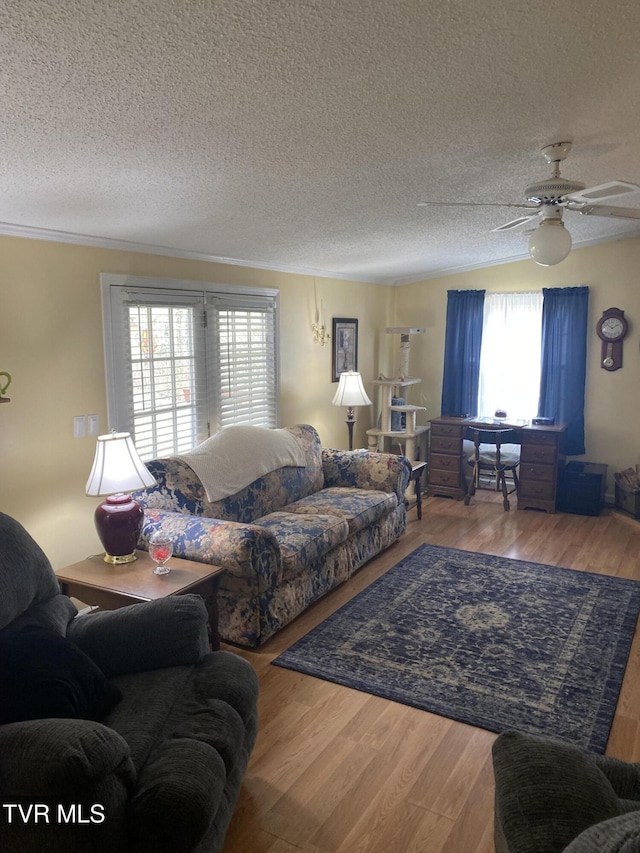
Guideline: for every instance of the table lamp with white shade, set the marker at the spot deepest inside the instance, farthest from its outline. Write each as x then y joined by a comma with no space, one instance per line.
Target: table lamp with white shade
351,393
118,470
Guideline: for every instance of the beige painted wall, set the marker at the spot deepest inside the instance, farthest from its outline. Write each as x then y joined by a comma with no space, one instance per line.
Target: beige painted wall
612,402
51,343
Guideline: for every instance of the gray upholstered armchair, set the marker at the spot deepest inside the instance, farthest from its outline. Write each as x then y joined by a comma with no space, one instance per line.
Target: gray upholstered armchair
119,731
552,797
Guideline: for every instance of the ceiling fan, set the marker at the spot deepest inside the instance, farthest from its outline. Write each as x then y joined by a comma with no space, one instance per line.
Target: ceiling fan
550,242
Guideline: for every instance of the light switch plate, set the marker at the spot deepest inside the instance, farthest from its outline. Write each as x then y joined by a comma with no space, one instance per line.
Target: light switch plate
79,427
94,426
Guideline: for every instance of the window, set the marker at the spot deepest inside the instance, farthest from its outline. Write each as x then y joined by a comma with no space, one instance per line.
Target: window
185,359
510,355
244,362
563,357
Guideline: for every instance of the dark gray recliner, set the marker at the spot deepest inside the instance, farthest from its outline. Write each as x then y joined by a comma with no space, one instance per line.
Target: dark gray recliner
551,797
162,769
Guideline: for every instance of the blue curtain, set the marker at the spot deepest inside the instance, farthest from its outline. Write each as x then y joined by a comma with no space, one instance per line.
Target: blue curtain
462,352
564,361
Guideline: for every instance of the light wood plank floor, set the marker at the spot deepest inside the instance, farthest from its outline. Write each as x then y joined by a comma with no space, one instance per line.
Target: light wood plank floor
337,771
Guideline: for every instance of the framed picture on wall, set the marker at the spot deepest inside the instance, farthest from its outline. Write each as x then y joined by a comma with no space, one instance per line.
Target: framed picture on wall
345,346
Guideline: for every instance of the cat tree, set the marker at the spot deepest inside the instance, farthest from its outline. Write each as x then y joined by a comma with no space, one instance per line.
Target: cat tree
410,433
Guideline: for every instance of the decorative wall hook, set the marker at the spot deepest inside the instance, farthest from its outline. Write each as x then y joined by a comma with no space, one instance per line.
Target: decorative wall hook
320,334
5,381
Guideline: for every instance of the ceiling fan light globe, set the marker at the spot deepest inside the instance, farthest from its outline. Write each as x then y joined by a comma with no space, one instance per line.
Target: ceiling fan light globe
550,243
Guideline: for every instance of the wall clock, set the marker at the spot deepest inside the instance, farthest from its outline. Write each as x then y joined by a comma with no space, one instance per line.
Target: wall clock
611,329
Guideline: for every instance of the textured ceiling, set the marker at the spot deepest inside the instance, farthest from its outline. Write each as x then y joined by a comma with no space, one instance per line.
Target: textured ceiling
300,134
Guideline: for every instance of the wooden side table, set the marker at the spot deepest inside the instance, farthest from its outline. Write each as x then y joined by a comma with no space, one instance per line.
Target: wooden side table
417,469
109,587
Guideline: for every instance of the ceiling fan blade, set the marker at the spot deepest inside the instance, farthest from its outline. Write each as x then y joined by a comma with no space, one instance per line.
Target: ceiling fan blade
516,223
522,206
612,189
607,210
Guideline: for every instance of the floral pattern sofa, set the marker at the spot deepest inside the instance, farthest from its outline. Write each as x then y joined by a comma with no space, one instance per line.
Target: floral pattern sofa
287,538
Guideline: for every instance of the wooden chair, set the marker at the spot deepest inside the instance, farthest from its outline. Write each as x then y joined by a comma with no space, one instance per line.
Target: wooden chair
493,459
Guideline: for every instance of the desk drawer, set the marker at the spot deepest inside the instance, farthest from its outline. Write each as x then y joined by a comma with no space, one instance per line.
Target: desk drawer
454,430
541,489
541,453
446,444
532,471
444,478
445,462
536,437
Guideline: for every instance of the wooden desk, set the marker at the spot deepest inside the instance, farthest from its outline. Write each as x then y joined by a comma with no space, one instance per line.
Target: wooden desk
540,455
109,587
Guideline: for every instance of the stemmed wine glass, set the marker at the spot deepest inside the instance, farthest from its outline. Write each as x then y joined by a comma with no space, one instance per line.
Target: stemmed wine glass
160,550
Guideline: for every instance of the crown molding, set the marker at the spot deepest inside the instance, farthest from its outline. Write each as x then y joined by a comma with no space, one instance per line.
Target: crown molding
8,229
524,256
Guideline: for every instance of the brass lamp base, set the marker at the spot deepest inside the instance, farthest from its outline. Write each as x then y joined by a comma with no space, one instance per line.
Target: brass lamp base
118,559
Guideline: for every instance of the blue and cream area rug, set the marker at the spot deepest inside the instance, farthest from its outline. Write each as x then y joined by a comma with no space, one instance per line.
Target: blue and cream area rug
489,641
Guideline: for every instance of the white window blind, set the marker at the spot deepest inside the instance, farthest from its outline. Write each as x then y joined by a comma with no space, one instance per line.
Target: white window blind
164,340
182,363
243,335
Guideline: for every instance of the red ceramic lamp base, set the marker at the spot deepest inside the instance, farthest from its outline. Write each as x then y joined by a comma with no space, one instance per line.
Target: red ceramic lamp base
118,522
